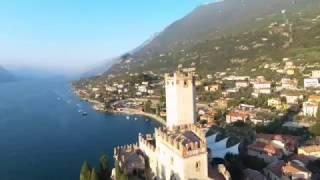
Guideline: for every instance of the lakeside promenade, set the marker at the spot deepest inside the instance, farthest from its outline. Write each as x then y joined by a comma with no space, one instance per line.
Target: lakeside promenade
129,111
98,106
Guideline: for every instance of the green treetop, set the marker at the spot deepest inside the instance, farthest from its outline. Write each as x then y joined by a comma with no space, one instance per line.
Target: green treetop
104,167
315,129
94,175
85,172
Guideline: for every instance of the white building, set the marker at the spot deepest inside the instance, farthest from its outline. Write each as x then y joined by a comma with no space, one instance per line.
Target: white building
311,83
262,85
292,97
180,99
242,84
142,89
310,109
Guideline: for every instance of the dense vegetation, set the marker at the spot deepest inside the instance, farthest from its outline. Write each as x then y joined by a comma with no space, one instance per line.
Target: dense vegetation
87,172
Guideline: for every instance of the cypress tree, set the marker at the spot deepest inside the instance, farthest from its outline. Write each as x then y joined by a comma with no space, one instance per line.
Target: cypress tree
104,167
85,171
94,175
118,172
124,177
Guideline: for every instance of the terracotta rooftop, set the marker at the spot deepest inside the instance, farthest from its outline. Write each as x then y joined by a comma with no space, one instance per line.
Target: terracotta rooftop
265,148
293,168
314,99
242,114
279,137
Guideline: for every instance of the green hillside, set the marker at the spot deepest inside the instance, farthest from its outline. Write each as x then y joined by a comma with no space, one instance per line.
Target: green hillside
264,32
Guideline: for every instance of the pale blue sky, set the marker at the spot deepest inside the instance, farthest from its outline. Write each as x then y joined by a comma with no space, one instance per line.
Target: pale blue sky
70,35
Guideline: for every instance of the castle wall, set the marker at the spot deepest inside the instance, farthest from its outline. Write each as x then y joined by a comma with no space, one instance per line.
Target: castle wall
172,163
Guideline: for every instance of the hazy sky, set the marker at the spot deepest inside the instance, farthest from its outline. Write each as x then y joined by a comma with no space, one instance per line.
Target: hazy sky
70,35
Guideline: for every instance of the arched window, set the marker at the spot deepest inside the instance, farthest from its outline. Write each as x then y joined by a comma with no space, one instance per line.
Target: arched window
198,166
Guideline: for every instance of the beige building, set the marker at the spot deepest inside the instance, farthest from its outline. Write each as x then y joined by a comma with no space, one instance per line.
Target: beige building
314,98
180,99
316,74
287,83
290,71
179,154
310,151
212,88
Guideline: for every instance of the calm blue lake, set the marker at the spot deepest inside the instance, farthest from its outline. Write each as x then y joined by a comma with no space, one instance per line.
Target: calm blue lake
44,137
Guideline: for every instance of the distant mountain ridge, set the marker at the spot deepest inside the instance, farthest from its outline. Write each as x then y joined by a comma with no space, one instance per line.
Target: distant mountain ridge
195,36
210,20
104,65
5,75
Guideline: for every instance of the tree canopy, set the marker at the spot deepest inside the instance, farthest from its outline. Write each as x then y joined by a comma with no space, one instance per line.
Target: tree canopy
104,167
85,172
94,175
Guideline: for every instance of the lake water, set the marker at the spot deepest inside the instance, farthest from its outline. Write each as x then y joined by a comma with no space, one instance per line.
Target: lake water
44,137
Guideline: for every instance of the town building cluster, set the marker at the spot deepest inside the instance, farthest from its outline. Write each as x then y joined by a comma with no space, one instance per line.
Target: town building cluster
184,150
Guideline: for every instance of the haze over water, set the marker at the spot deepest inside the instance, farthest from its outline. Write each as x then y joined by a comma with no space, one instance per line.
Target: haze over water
44,137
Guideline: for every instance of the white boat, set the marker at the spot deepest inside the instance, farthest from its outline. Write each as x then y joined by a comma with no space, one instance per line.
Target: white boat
135,119
128,117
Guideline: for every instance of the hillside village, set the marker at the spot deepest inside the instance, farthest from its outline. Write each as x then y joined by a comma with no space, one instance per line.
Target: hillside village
263,95
275,122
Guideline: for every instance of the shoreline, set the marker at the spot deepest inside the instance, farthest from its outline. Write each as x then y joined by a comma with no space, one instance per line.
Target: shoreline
133,112
97,106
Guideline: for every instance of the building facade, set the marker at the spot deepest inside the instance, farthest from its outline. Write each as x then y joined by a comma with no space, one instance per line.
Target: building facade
310,109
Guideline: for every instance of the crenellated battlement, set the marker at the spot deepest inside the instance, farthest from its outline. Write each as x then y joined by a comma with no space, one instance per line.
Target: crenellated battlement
121,150
147,141
179,78
187,140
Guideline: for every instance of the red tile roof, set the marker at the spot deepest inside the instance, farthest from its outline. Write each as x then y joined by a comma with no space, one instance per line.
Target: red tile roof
279,137
265,148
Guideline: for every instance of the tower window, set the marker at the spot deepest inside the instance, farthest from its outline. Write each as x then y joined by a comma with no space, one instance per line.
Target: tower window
185,83
198,166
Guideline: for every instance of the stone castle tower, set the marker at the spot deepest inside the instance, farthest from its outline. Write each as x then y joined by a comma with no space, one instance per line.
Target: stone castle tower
180,99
